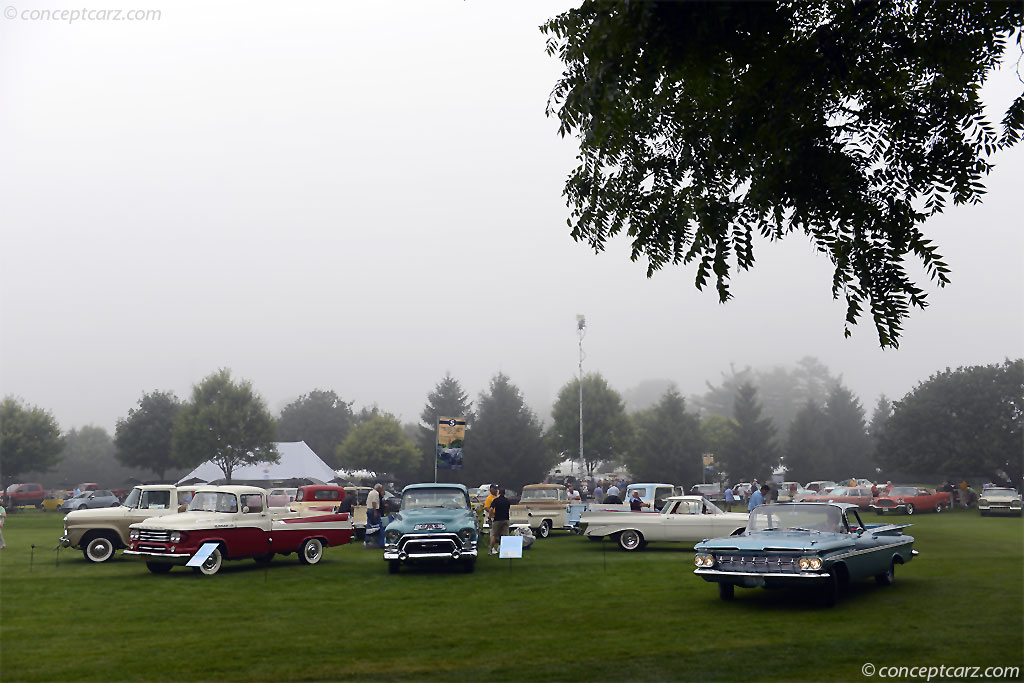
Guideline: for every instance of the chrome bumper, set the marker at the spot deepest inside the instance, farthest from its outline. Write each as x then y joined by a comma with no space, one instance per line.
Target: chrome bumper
170,556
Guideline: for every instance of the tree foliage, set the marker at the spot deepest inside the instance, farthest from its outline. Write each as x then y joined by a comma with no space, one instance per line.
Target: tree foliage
751,451
319,418
89,456
959,423
30,439
607,430
508,439
447,400
225,422
379,445
668,445
807,454
846,434
143,438
704,124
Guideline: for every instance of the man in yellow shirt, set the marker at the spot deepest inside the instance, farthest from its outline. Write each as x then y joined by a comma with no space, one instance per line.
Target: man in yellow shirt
488,509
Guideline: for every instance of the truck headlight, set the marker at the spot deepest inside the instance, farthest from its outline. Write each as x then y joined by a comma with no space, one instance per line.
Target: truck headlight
812,564
392,536
466,535
178,536
134,534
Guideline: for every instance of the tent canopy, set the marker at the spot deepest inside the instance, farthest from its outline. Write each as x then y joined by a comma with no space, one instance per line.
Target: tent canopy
298,461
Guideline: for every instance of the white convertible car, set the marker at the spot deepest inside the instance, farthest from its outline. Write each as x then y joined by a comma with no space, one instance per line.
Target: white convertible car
686,519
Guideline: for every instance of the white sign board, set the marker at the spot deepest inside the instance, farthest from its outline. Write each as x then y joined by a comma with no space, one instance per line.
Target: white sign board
201,556
511,547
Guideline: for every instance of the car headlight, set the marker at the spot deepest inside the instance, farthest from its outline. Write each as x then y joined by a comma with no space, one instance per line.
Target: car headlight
704,560
982,501
392,536
809,563
178,536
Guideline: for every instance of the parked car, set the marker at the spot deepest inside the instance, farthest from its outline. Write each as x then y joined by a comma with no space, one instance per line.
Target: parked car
999,501
24,495
233,522
321,497
685,519
101,532
53,500
435,524
87,500
543,506
861,497
817,546
911,499
820,486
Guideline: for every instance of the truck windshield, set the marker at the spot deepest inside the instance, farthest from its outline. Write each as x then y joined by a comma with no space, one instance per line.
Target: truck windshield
211,501
434,498
132,501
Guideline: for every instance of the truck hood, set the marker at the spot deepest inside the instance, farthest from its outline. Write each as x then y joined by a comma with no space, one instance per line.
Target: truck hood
796,541
187,520
95,514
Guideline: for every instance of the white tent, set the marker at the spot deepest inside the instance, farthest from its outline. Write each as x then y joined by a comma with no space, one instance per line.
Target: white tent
297,461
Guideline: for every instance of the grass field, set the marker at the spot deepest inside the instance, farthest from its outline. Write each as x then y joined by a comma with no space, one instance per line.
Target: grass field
570,610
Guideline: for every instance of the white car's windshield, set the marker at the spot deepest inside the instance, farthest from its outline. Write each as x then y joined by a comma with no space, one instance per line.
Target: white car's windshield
211,501
1000,492
796,517
434,498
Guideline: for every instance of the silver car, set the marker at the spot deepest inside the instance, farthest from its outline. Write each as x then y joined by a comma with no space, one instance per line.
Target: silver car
90,499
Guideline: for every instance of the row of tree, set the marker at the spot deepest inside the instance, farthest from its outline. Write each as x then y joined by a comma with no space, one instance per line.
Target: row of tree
963,422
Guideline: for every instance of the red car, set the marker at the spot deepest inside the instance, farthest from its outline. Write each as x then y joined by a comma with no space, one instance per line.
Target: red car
861,497
910,499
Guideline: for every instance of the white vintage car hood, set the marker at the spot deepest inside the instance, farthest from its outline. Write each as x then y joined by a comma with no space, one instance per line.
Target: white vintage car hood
96,514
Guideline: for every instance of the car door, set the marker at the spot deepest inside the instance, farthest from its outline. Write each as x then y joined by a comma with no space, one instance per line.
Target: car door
686,522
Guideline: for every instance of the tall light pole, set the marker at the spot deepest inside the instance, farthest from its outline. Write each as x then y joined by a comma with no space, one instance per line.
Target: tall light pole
581,331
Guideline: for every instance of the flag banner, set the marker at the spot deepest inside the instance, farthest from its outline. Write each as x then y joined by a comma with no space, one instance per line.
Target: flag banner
709,460
451,432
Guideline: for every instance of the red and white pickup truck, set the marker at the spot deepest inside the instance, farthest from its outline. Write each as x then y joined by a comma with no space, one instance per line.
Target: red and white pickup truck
233,522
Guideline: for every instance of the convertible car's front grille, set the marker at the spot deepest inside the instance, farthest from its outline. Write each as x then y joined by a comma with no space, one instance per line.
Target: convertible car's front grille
738,562
154,536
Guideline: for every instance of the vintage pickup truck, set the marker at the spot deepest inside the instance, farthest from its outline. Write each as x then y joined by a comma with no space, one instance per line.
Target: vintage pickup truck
543,506
102,531
233,522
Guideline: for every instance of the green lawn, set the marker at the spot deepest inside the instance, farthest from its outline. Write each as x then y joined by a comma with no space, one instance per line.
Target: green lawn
570,610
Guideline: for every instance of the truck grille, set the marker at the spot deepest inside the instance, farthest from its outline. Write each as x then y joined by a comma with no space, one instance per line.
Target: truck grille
417,544
154,536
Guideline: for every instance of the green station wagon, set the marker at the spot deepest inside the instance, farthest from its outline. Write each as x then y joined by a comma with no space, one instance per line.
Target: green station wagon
435,524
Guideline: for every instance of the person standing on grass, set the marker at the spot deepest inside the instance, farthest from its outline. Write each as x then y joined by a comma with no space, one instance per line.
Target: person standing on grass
729,498
488,510
3,518
499,525
372,514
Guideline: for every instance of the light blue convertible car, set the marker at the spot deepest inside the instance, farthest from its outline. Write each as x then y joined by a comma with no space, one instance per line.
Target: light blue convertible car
813,545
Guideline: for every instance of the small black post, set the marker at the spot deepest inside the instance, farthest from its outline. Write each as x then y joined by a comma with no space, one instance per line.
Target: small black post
32,557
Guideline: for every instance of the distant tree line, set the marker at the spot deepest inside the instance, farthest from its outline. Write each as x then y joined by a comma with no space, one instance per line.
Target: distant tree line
958,423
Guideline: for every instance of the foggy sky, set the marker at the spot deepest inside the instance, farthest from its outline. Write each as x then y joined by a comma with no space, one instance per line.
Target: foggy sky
365,196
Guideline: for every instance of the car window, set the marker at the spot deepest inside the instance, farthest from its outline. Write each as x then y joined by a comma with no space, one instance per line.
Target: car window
325,494
688,507
214,501
254,502
155,500
663,492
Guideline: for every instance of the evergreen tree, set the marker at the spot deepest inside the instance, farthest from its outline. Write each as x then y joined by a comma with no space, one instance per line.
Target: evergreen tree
669,444
846,435
508,442
752,452
808,456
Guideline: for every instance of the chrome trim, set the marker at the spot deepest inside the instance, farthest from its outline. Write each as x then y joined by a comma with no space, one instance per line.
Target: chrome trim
867,550
149,554
762,575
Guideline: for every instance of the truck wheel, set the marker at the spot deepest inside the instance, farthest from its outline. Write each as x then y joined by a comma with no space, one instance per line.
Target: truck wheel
631,540
212,564
394,566
159,567
98,549
726,591
311,552
544,530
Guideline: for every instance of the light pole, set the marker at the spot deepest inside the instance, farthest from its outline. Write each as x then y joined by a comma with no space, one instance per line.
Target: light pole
581,331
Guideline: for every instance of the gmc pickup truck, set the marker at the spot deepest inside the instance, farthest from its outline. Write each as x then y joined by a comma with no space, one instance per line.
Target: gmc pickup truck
234,522
102,531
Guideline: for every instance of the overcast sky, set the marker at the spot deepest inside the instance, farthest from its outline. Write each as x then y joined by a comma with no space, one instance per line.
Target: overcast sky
364,196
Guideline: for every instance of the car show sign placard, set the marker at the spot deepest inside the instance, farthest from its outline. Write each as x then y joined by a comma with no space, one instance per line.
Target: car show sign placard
451,432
